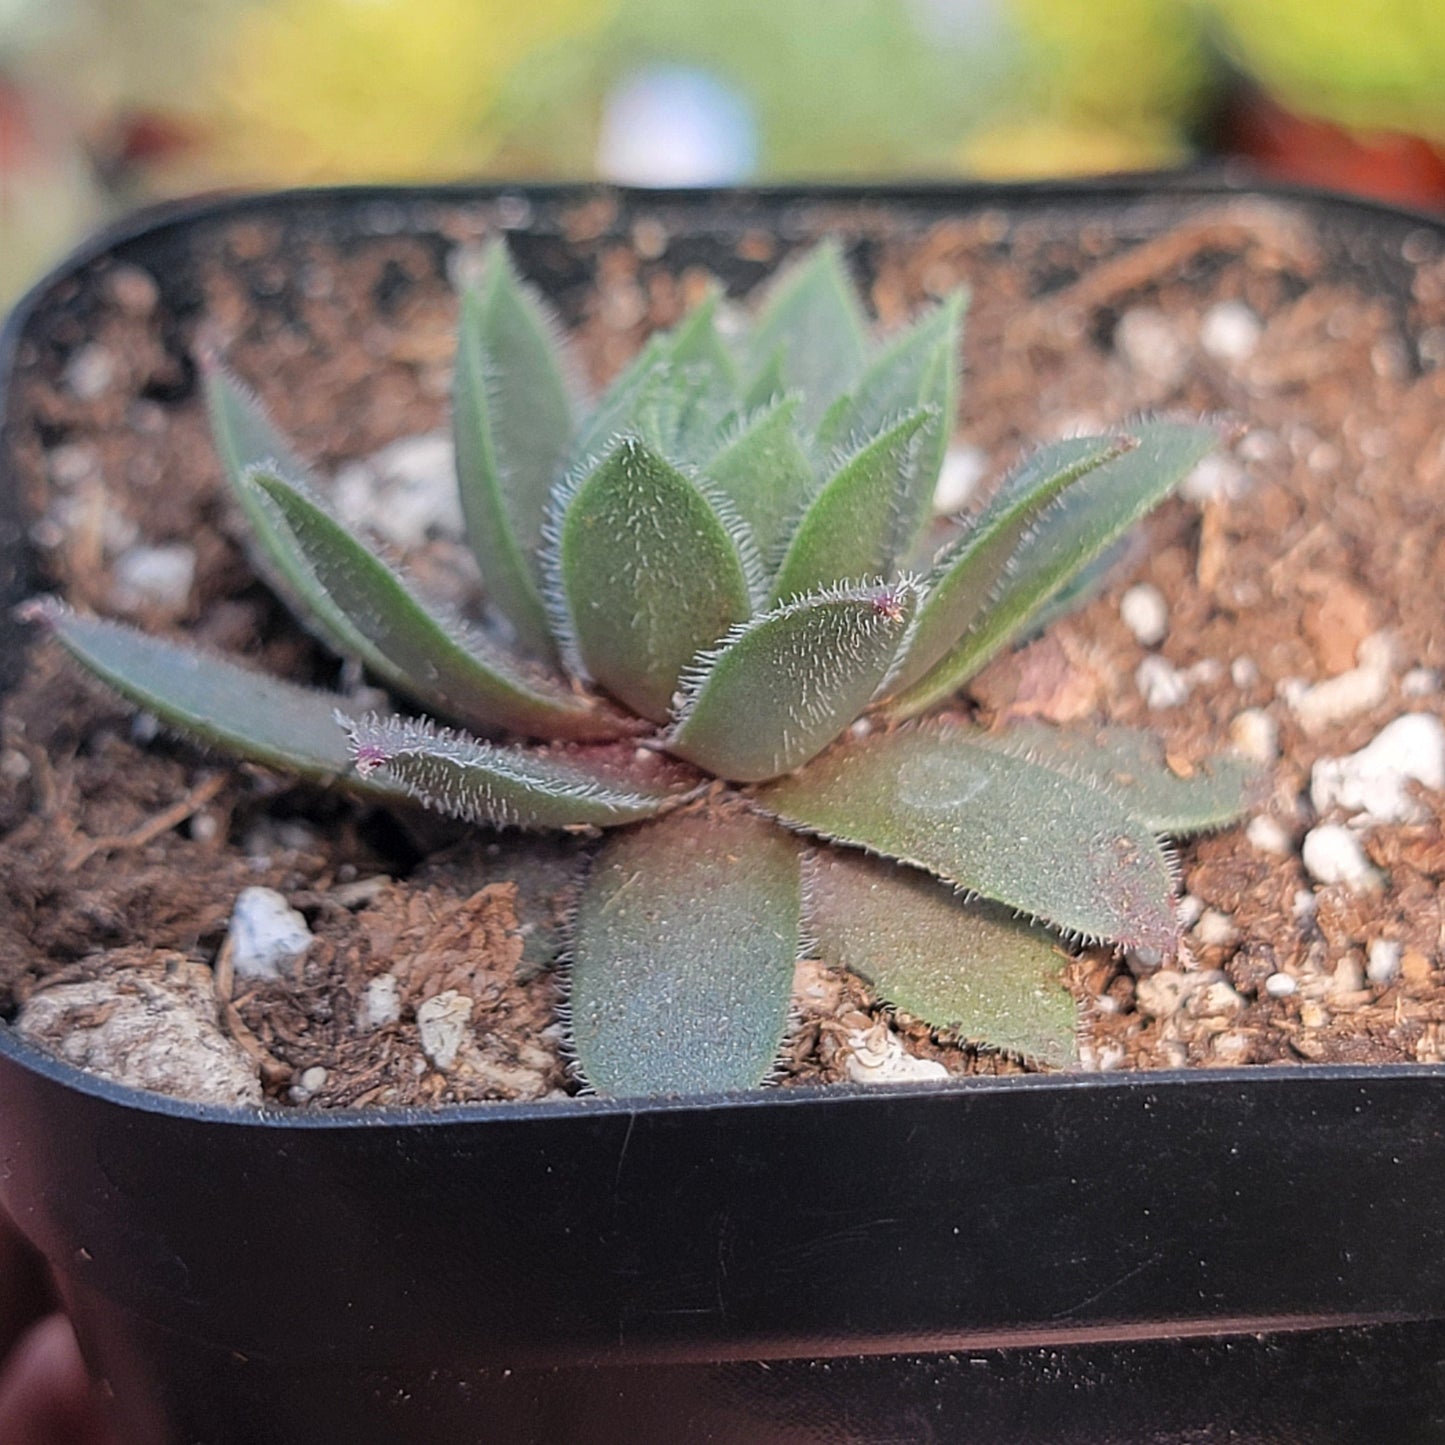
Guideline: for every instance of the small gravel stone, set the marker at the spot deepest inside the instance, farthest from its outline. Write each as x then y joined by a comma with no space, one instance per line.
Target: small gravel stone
1280,985
1189,909
1151,345
1333,854
1382,964
1356,691
1420,682
1267,835
154,577
1244,672
89,373
1255,734
1374,783
442,1023
1230,331
963,469
1215,999
405,493
135,291
1216,929
267,935
876,1055
1160,683
1216,477
1162,993
1146,614
380,1003
1348,977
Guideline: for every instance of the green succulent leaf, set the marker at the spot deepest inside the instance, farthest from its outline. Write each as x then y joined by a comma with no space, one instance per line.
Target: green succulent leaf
707,378
683,955
504,787
214,701
958,803
965,575
462,677
512,421
919,369
851,528
245,438
1086,519
1132,764
968,968
767,385
780,687
764,472
812,319
651,574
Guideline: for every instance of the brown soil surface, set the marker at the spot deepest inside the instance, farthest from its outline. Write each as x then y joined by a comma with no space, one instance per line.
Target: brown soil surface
1326,528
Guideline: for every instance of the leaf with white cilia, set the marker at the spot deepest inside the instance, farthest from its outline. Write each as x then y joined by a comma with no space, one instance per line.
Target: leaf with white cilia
781,686
512,424
683,951
967,572
1082,523
964,966
650,569
505,787
762,469
951,800
213,701
462,676
850,528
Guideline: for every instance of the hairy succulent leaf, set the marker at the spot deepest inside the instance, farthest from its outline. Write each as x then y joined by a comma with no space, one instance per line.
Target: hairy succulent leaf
812,320
245,438
779,688
638,391
512,421
1133,765
505,787
953,801
768,384
216,702
851,528
468,679
1084,521
968,968
683,953
965,575
763,470
651,575
707,380
919,369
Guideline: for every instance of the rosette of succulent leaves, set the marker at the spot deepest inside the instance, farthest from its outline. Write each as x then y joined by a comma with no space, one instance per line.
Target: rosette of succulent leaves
726,635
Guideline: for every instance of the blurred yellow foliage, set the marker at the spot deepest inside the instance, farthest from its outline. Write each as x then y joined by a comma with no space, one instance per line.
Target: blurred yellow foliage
1038,149
1377,66
313,90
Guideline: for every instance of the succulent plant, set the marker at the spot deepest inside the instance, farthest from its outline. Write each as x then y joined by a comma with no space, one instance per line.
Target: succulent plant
724,630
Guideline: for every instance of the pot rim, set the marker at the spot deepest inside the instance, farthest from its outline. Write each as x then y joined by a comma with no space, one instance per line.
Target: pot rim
1181,186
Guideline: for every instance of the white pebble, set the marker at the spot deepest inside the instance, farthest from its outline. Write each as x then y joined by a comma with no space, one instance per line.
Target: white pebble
1230,331
442,1025
405,493
1216,476
89,373
1420,682
380,1003
1255,734
1244,672
1146,614
1374,782
1348,977
1188,910
1280,985
313,1078
159,577
1333,854
1215,998
1151,345
1382,965
1304,904
1352,692
267,935
963,469
1267,835
876,1056
1160,683
1216,929
1161,994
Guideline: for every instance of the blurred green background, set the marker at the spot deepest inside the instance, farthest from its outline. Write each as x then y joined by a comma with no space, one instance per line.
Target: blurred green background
107,103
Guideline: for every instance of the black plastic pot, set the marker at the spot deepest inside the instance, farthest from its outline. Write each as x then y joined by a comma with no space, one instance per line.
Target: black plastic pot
1231,1255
